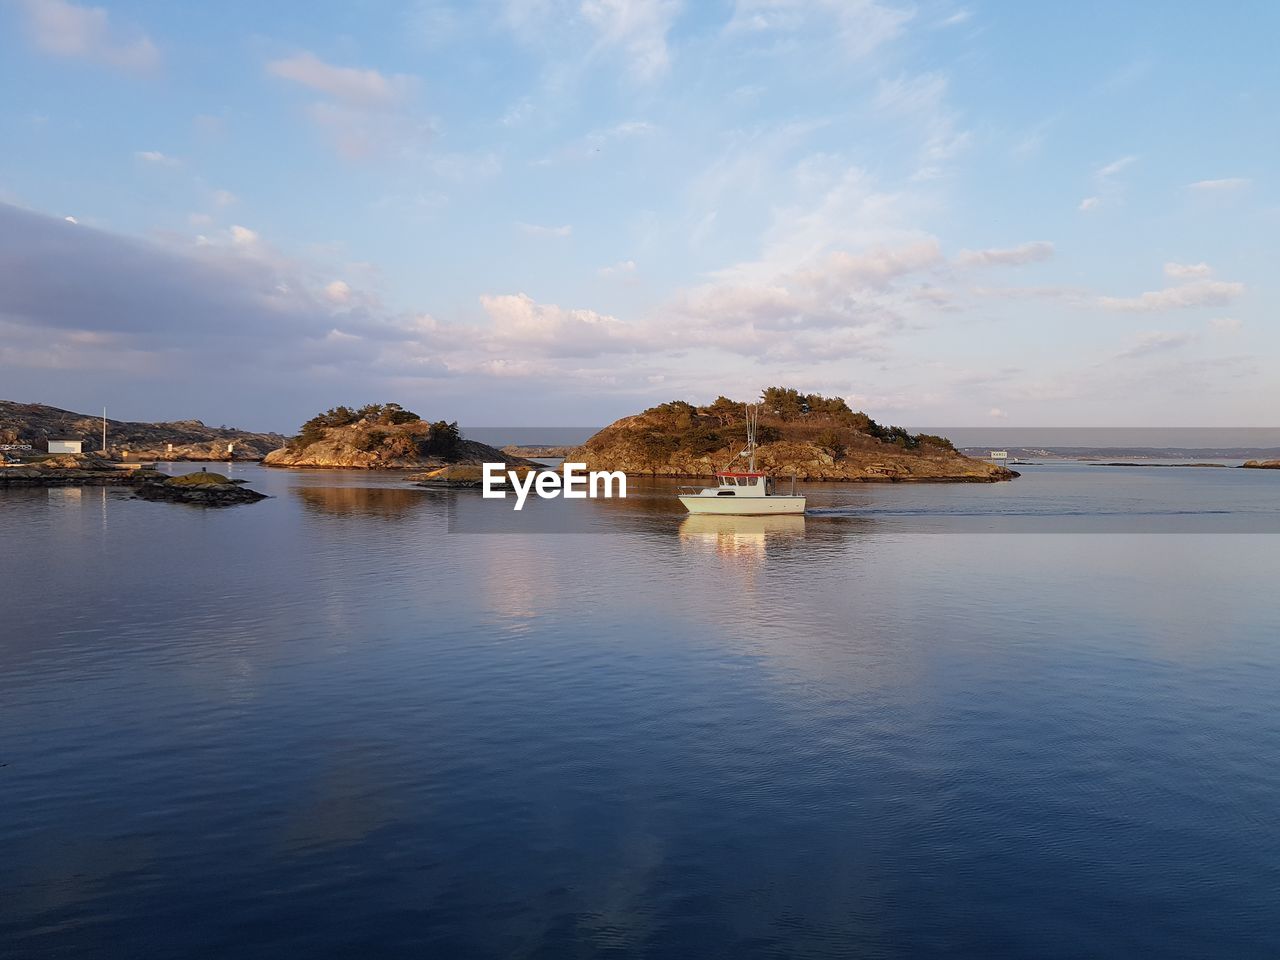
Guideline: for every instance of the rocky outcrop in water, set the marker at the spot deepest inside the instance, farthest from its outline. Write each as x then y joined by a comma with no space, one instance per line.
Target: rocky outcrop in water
812,437
202,489
1262,464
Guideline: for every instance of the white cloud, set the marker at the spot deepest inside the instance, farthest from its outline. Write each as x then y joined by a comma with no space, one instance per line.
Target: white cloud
1201,293
1226,324
71,219
1109,170
537,230
1188,271
1089,203
1153,341
224,198
636,27
861,26
349,85
338,291
921,100
838,305
1011,256
364,112
520,323
622,267
997,414
157,158
1220,186
243,235
67,30
960,16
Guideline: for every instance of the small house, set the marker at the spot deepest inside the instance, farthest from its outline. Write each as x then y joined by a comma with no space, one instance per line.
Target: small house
65,445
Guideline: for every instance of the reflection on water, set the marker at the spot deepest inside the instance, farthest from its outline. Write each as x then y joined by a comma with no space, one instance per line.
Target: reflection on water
740,536
388,503
323,725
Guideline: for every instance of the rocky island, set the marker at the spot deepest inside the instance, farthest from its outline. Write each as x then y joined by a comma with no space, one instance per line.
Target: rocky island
1262,464
810,436
383,436
36,423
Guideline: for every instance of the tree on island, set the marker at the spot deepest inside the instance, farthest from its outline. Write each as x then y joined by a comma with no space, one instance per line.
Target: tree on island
826,421
381,414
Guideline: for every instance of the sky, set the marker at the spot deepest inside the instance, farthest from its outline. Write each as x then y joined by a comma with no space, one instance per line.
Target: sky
559,212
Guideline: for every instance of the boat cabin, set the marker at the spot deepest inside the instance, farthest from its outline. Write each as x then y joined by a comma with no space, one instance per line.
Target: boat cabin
741,485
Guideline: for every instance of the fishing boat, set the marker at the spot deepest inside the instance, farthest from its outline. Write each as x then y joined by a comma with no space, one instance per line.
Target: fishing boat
743,493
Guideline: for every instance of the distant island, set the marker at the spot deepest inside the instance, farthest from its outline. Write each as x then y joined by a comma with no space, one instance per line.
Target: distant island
810,436
1262,464
1128,452
35,424
382,436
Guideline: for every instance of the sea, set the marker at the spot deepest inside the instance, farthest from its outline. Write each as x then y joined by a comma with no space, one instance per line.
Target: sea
1035,719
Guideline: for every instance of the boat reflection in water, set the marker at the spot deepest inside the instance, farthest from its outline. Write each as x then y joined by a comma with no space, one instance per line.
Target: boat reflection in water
744,538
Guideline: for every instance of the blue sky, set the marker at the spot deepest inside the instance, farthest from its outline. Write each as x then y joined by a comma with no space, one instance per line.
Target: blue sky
522,212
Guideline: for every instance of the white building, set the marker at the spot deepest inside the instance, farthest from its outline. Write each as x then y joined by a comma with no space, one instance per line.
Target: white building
65,446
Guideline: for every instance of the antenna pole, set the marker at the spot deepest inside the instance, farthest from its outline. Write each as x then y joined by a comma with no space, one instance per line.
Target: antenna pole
104,429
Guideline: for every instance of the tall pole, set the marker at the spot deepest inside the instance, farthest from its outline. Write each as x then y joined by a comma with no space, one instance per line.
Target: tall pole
104,429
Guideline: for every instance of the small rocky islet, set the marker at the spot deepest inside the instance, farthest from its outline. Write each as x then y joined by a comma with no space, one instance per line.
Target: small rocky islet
202,489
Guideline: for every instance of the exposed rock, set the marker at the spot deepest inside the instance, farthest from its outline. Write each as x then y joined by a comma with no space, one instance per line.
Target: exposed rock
814,438
459,475
1262,464
370,445
203,489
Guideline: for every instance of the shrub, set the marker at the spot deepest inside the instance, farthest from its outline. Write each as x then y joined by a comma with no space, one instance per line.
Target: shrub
443,439
832,440
934,440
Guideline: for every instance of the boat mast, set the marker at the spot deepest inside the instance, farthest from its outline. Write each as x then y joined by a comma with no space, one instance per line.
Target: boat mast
753,417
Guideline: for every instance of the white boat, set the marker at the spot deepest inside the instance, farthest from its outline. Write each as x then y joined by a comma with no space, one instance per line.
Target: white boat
746,493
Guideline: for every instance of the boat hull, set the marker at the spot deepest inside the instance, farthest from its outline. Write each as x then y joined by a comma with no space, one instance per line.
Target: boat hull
744,506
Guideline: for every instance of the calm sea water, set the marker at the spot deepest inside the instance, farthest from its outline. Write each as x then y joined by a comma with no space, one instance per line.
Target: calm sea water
341,722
